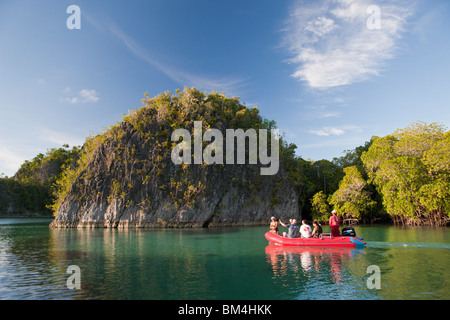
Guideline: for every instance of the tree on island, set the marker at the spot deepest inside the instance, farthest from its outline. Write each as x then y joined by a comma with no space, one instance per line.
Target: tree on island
411,170
352,200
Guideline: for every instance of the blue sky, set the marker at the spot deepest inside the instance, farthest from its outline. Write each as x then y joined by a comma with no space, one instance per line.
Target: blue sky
328,79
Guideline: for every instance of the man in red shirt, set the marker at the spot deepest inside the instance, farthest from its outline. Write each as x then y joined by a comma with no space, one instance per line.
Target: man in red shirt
334,224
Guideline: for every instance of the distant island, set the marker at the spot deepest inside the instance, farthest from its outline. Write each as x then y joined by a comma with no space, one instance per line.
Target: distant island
126,176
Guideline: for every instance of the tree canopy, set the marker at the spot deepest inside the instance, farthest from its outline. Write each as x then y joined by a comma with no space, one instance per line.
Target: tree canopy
30,189
405,175
352,200
410,169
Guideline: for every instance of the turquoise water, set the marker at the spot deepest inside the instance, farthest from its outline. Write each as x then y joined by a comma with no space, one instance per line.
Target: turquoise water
217,263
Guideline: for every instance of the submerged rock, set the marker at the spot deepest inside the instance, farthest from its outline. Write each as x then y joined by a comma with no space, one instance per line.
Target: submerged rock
125,176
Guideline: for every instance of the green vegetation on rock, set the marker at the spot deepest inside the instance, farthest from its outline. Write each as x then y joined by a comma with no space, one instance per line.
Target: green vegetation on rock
29,191
126,170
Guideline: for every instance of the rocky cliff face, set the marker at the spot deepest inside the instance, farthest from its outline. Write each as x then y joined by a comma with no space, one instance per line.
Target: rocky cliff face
126,177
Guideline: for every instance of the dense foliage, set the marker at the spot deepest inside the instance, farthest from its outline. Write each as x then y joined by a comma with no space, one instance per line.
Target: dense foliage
320,207
352,199
404,176
30,189
18,198
411,170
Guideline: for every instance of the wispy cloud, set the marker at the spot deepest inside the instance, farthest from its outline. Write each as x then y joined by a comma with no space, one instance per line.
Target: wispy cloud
13,153
330,114
333,144
84,96
335,131
9,161
319,112
177,74
59,138
331,44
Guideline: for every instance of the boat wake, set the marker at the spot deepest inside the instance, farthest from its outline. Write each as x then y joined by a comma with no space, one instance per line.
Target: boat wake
411,245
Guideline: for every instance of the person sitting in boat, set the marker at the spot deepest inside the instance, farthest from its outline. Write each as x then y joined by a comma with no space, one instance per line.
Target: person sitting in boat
335,222
274,225
292,229
317,231
305,229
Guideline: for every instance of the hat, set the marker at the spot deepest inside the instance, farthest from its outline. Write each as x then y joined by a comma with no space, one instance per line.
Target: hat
273,218
334,211
294,221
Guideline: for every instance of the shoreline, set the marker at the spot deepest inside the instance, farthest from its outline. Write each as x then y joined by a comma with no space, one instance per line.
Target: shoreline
128,225
26,216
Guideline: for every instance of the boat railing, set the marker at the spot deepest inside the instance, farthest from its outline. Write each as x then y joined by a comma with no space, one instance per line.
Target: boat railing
326,235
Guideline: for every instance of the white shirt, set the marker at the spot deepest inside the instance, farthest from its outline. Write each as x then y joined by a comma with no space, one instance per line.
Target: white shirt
305,231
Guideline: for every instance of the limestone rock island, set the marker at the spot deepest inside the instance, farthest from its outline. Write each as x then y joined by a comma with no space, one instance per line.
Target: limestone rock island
125,176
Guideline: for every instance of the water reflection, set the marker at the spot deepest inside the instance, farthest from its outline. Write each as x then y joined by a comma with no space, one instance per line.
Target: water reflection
137,263
308,271
27,269
106,258
286,260
214,264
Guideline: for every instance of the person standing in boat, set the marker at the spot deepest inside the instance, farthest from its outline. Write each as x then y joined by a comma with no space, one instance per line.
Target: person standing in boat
334,222
292,229
274,225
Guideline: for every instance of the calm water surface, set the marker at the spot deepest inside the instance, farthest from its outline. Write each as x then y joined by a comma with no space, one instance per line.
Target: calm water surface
219,263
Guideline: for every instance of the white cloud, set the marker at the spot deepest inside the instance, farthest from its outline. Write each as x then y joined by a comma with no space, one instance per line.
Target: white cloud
13,153
319,112
321,26
330,114
59,138
328,131
331,44
84,96
334,131
9,161
287,133
88,96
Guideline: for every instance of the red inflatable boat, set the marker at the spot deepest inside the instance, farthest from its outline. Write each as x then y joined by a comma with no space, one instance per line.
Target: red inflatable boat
325,241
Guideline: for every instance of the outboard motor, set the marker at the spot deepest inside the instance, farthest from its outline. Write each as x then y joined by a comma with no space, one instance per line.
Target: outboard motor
348,231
